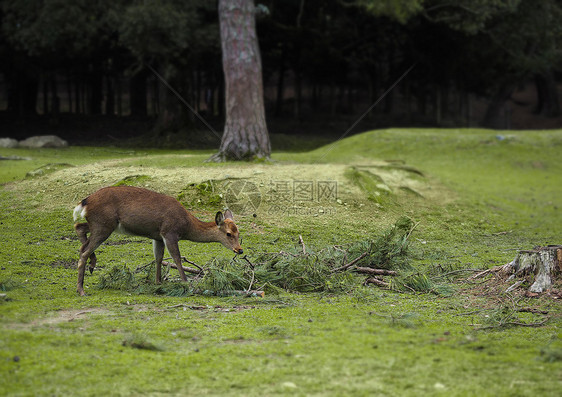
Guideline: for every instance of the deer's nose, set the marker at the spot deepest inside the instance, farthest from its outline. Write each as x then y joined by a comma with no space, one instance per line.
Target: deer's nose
239,251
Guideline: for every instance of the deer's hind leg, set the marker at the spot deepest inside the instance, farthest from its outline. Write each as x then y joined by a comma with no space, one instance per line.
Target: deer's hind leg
82,229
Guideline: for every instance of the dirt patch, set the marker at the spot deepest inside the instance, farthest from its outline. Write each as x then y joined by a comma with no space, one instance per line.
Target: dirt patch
61,316
64,263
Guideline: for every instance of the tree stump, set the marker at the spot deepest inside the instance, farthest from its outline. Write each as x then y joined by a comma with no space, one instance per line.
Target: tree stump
544,263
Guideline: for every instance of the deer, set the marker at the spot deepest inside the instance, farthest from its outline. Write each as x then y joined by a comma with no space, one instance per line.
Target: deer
146,213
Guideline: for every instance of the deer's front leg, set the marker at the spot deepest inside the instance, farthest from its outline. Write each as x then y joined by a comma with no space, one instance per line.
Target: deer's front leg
174,250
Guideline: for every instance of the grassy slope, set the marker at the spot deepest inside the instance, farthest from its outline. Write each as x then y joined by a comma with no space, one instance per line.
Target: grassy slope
509,185
366,342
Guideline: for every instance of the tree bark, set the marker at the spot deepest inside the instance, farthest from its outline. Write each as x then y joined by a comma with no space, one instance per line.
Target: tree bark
245,131
543,263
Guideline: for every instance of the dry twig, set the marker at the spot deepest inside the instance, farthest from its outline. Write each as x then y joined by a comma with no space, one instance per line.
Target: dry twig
350,264
245,257
185,268
377,281
301,241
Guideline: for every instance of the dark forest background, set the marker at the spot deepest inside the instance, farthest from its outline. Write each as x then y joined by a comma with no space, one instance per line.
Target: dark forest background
88,69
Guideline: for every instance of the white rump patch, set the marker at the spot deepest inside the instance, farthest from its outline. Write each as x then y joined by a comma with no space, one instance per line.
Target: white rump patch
79,212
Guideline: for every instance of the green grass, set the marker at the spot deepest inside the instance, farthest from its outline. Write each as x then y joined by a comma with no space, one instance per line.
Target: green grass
479,200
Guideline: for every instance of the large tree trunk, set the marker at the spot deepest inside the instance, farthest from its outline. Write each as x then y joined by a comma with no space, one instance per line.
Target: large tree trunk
245,131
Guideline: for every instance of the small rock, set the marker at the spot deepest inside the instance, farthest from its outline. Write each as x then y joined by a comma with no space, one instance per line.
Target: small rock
8,143
43,141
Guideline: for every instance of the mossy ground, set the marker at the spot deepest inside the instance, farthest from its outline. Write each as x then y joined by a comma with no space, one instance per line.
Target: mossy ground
478,197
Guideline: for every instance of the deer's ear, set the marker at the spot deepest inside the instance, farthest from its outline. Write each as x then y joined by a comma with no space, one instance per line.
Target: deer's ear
228,214
219,218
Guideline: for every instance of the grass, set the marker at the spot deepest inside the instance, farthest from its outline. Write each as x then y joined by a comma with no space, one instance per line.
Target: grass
478,198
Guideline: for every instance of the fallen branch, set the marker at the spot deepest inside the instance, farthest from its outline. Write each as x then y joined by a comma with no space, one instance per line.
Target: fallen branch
301,241
378,282
184,259
517,284
350,264
245,257
251,293
377,272
185,268
532,310
188,307
486,272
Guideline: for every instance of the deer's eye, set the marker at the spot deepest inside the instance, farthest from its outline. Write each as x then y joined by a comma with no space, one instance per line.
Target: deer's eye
229,234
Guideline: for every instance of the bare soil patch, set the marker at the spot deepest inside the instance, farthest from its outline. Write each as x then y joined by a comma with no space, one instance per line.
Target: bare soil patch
61,316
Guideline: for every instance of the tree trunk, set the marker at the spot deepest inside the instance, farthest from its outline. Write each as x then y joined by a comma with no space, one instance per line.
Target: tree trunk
547,95
138,94
245,131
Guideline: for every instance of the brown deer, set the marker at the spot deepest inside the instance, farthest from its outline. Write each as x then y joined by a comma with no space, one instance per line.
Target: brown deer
142,212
